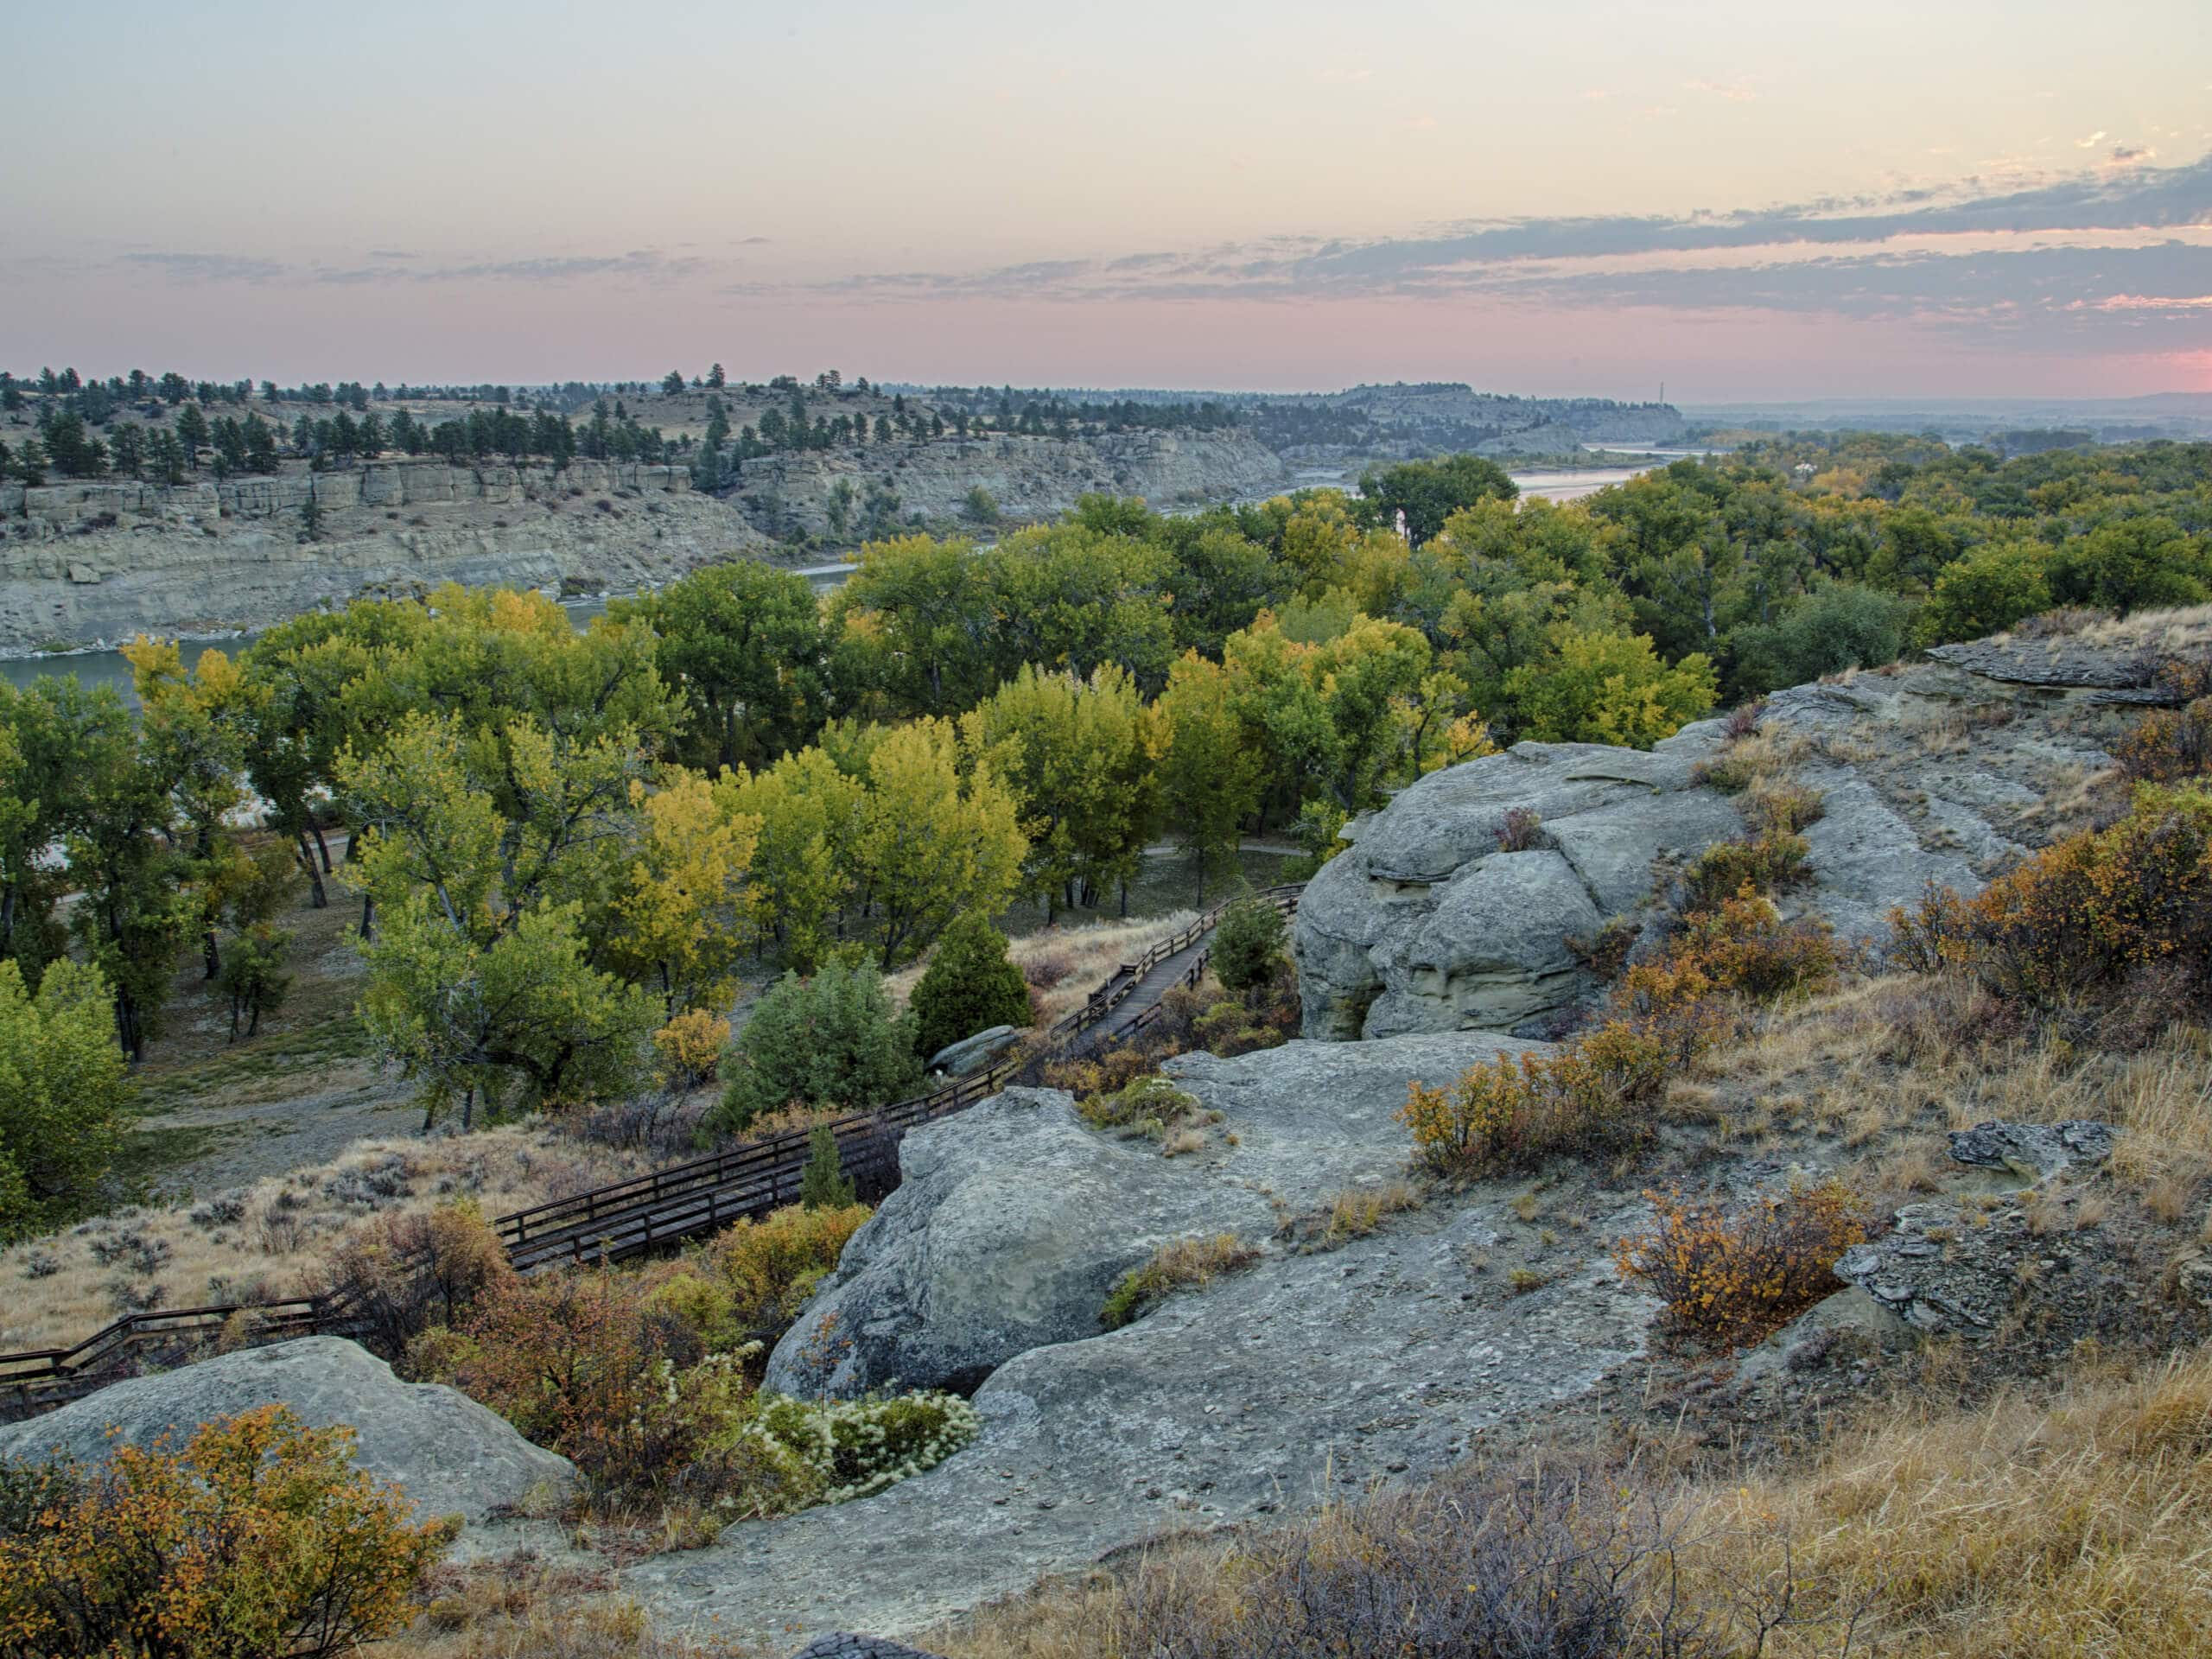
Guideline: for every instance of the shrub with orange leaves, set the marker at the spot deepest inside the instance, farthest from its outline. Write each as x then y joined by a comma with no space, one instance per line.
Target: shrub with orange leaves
259,1539
1731,1275
2088,913
1509,1113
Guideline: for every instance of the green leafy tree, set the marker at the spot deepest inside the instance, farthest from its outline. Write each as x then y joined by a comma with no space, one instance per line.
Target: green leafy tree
62,1096
1430,492
826,1043
1994,588
1609,688
1210,776
970,985
495,867
1837,626
745,648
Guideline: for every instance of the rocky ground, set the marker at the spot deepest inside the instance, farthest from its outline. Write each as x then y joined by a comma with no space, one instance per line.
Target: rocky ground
1326,1365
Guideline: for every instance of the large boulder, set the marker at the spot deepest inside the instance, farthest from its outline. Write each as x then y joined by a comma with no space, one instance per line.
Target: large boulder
1428,924
1940,772
1010,1224
1013,1221
450,1455
974,1054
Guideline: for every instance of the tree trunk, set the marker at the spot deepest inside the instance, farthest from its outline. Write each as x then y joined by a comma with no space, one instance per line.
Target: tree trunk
211,957
368,916
318,896
323,847
468,1109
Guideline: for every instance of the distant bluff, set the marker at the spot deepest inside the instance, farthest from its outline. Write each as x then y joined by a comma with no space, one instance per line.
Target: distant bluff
88,563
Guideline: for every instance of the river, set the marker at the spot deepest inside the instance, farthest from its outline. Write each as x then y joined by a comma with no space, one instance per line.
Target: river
108,667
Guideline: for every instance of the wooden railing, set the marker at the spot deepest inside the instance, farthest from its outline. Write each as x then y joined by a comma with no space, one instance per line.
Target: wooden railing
630,1218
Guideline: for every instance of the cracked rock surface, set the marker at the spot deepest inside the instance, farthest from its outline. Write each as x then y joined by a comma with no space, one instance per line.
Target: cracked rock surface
1311,1374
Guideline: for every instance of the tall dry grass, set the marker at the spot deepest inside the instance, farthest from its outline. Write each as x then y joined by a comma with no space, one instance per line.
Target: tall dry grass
270,1240
2074,1529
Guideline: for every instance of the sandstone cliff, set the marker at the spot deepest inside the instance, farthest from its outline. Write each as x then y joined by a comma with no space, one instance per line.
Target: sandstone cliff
84,562
91,562
1029,478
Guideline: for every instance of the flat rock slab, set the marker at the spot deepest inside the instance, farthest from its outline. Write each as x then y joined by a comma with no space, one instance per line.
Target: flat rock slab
1307,1378
449,1454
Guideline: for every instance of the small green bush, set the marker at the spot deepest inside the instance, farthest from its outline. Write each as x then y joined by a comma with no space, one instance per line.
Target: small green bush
1248,943
827,1042
854,1448
823,1185
1721,871
1184,1264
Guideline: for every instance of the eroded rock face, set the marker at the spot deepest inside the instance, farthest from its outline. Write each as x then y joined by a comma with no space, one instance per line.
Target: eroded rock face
1426,924
1310,1375
449,1454
1932,772
1014,1220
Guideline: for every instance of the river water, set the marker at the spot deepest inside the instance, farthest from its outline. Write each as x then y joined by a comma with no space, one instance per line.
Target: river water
108,668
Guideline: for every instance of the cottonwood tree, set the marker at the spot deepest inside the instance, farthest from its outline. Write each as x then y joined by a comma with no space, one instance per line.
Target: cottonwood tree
1079,753
481,979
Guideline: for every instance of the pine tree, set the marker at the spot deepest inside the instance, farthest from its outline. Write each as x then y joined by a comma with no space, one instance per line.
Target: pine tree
823,1185
971,986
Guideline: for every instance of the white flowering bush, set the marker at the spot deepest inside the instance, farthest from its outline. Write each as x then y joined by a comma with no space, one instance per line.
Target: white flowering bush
857,1448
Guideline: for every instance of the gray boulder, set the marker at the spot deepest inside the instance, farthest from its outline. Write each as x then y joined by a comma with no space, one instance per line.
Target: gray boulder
1014,1220
842,1644
1939,771
973,1053
449,1454
1010,1224
1426,924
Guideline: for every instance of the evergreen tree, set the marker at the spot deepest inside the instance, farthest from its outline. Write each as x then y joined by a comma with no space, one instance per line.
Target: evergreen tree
192,430
823,1185
825,1043
1248,943
971,986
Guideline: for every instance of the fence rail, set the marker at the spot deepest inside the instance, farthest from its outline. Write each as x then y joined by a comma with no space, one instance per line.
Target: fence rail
629,1217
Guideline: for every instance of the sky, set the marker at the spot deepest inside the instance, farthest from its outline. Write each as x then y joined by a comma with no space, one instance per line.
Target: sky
1938,198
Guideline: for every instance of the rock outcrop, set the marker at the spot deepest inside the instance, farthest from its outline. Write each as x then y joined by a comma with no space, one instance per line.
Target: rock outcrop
1309,1375
87,562
973,1053
449,1454
1937,772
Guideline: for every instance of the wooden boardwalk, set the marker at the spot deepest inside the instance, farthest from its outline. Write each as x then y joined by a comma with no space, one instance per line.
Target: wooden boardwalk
648,1213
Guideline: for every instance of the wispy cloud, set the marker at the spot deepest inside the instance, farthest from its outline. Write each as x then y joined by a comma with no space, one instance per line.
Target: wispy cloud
207,267
2052,255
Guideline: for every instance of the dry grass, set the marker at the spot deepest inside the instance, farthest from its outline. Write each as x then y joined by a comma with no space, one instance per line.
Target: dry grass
1183,1264
2078,1528
1882,1064
1064,965
2074,1529
521,1608
270,1239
